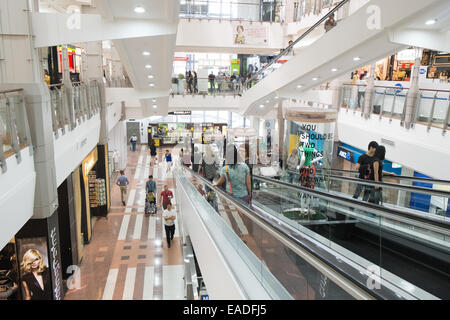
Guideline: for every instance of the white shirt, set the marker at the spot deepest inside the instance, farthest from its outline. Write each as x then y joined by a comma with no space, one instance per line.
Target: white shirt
361,87
292,162
168,214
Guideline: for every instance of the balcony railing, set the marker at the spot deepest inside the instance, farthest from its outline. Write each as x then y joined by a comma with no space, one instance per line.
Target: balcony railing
14,130
118,83
432,109
239,10
205,86
71,109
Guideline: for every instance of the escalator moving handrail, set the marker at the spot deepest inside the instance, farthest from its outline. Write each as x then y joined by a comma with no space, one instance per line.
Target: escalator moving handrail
324,254
362,205
394,176
291,46
423,190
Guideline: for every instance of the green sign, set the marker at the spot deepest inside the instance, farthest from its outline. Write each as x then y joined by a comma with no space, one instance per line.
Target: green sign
235,66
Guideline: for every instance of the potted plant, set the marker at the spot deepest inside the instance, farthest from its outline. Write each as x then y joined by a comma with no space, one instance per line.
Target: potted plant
174,85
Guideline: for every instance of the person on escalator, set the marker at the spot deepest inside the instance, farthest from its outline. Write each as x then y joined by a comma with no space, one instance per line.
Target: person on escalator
236,175
376,174
364,167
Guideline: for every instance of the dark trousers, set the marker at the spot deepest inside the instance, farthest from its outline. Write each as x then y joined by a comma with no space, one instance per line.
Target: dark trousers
366,194
165,205
170,231
133,145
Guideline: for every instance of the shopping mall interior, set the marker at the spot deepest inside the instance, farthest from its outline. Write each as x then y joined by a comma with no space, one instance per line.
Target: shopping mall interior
224,150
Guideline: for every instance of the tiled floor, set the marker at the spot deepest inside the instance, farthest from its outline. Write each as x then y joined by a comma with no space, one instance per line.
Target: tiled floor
128,257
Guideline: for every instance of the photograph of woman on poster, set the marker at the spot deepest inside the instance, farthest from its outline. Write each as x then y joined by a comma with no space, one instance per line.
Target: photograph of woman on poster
35,276
240,39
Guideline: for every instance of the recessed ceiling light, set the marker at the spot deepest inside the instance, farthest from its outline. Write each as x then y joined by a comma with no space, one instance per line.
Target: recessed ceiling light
139,9
146,53
151,84
155,106
315,79
276,97
148,66
150,76
334,70
261,106
299,86
356,58
430,22
267,101
154,100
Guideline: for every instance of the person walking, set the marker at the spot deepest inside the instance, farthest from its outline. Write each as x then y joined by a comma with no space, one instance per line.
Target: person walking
150,185
376,174
196,159
169,217
364,168
195,82
166,197
153,151
211,78
292,163
133,141
168,158
190,81
122,182
208,165
236,174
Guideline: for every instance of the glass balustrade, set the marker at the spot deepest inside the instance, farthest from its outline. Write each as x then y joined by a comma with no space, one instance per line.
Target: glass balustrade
205,86
14,130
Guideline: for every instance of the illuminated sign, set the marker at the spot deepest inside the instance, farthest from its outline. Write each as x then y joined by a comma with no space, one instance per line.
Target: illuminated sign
181,113
89,162
345,154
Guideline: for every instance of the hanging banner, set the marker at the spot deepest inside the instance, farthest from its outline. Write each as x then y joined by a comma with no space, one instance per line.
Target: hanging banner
249,34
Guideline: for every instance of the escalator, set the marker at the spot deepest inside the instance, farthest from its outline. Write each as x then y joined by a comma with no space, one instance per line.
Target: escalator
415,248
342,250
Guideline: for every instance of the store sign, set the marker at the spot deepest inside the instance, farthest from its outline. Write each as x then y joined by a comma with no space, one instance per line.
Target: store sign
406,55
89,162
346,154
181,113
180,59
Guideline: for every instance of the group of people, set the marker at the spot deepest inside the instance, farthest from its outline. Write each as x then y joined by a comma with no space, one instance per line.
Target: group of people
224,82
370,167
191,82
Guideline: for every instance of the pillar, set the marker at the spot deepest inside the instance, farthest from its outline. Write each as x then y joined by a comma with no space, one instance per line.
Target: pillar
412,98
370,92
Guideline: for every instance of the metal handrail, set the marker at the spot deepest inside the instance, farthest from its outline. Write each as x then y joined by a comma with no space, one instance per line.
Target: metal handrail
291,46
392,87
295,239
420,179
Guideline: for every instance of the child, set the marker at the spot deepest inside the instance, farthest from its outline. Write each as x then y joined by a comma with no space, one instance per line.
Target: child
150,203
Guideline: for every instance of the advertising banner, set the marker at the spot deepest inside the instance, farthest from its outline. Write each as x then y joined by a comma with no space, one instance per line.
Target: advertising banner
250,34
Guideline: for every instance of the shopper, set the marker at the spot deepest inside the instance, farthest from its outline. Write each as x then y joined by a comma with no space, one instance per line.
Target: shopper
236,175
169,217
150,185
292,164
166,197
122,182
361,89
330,23
190,81
208,165
195,82
212,85
364,166
133,141
376,174
168,158
153,151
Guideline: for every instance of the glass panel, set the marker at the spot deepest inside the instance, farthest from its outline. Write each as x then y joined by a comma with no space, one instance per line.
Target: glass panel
5,128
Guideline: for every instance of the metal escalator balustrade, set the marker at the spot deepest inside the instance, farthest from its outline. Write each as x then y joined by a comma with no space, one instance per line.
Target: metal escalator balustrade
411,252
285,54
299,247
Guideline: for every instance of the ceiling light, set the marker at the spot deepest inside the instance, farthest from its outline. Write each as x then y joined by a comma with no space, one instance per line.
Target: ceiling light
315,79
148,66
299,86
356,58
333,70
267,101
151,84
276,97
146,53
139,9
154,100
155,106
261,106
430,22
150,77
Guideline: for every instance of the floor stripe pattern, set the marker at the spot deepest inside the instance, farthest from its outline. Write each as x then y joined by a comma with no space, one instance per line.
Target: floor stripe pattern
127,257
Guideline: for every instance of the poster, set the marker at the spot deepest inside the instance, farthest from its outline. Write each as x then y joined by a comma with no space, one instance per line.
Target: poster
250,34
35,277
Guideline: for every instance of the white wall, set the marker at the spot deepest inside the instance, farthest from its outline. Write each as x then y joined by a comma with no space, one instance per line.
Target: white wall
17,187
114,113
426,152
117,140
218,36
197,102
72,147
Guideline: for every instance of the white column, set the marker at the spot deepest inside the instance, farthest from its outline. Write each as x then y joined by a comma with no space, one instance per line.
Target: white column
413,92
